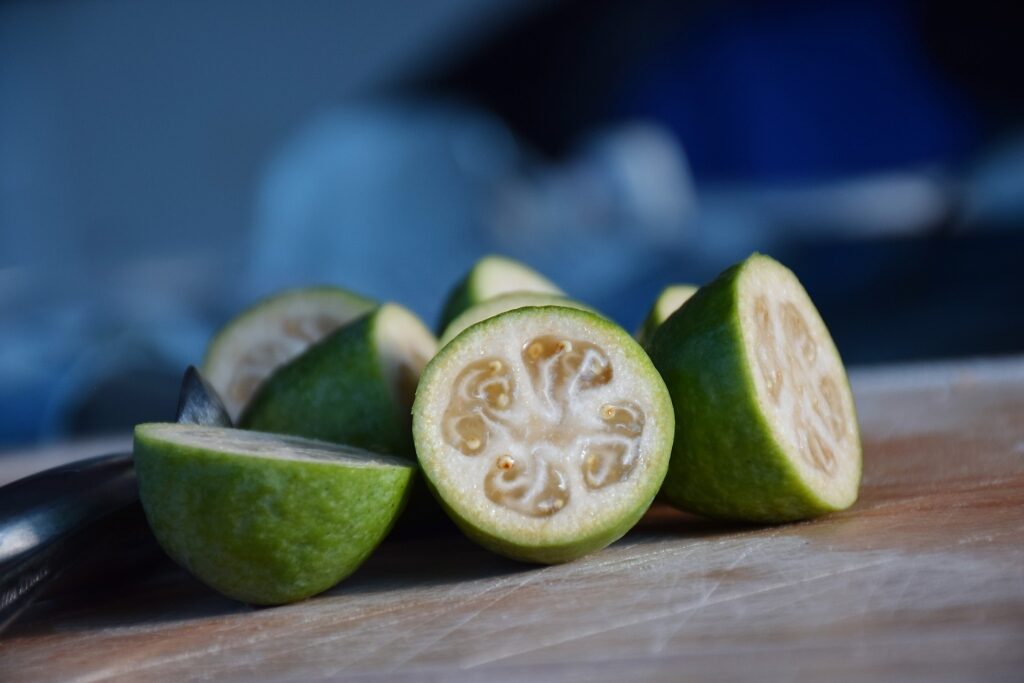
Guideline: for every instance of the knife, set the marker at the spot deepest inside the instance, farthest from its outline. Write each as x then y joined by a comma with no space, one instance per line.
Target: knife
51,519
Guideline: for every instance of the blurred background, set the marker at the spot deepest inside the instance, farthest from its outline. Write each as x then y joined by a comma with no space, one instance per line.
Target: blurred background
164,164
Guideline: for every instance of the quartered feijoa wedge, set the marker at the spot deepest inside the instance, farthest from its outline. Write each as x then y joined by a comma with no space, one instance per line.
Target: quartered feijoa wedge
270,333
766,429
261,518
489,277
545,432
356,386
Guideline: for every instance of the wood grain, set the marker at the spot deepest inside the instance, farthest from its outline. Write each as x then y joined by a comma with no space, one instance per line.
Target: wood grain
922,580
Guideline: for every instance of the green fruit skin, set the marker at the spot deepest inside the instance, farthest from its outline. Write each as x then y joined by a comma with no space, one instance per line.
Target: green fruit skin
467,292
255,311
725,461
336,391
224,349
549,553
647,329
262,530
650,325
459,299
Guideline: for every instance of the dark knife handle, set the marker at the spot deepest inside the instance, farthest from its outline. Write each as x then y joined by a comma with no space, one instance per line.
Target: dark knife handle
53,519
48,517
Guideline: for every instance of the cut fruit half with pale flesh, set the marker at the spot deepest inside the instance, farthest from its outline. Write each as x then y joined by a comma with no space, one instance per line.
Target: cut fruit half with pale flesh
766,428
502,303
272,332
262,518
667,303
356,386
545,432
489,277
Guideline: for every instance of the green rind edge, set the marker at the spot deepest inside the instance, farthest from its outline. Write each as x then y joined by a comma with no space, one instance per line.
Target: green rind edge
539,299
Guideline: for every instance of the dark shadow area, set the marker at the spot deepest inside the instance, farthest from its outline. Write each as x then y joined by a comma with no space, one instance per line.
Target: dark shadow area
118,581
427,562
664,520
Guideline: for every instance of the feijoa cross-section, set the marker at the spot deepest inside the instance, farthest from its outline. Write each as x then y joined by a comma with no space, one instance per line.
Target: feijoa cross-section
545,432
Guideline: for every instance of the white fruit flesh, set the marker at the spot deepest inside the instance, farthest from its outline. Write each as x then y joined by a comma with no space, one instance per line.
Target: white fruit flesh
494,275
406,346
800,380
272,333
500,304
541,427
246,443
671,299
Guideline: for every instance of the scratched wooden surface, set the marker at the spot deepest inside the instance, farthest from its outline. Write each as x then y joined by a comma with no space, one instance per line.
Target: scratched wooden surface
922,580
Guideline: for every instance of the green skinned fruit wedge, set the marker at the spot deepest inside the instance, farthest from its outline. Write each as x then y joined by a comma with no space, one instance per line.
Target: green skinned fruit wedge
766,429
667,303
272,332
545,432
261,518
355,387
502,303
489,277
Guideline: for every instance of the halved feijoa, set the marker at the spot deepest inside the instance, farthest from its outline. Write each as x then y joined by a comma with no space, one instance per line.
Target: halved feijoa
502,303
545,432
489,277
765,423
262,518
667,303
356,386
270,333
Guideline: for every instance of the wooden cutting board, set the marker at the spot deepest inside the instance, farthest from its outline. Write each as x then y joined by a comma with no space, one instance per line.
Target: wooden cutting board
922,580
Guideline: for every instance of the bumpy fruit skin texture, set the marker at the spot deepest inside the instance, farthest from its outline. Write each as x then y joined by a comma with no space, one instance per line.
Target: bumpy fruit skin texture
336,391
725,463
524,548
261,530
